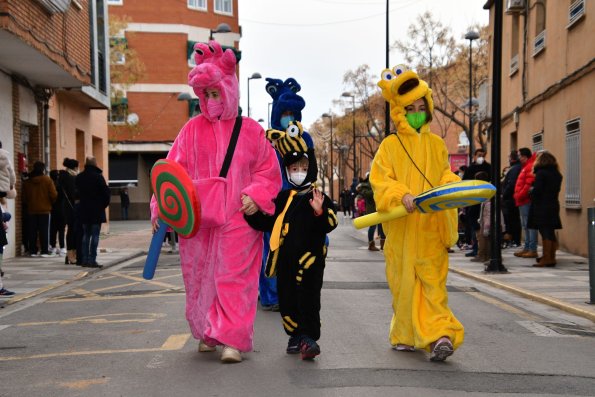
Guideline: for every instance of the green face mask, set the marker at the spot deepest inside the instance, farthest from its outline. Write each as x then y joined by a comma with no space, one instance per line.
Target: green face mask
417,119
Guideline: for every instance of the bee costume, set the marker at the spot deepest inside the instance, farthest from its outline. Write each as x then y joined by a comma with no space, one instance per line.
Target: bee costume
298,248
412,161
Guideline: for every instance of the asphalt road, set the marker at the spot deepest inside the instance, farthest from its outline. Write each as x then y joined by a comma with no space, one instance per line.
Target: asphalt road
115,334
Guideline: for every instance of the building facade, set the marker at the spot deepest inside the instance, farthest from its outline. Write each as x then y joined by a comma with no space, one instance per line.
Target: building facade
151,112
548,58
54,88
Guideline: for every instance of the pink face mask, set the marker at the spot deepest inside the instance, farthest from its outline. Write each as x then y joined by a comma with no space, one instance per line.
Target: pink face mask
215,107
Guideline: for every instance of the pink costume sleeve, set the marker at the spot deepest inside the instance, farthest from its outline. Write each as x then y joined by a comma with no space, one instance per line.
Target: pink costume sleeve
266,176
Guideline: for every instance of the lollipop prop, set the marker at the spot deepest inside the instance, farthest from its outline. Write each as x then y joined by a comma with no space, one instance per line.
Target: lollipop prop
452,195
178,207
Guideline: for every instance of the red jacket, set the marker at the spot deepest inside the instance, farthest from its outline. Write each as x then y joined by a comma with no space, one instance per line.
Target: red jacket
524,183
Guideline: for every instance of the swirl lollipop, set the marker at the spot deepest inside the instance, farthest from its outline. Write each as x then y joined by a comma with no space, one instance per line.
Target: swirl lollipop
452,195
178,206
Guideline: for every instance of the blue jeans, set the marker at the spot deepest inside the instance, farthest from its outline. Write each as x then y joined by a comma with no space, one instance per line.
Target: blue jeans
530,234
90,242
371,231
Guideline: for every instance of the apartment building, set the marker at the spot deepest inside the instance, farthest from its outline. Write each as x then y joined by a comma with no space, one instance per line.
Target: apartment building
54,88
150,113
548,58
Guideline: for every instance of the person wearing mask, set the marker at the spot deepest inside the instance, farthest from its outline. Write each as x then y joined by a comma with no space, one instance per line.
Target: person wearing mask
545,207
67,182
472,213
523,202
406,164
39,193
221,263
512,218
94,197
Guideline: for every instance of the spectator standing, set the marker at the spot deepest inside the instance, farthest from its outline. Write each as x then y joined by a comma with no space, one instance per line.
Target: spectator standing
365,189
523,201
7,175
39,193
545,207
67,178
512,218
124,203
472,213
57,220
4,218
94,198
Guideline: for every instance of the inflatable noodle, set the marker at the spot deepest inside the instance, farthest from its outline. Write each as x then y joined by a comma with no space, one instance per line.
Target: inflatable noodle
451,195
178,206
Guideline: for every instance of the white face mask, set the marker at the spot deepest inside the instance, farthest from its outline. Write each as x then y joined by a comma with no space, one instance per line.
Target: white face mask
479,160
298,177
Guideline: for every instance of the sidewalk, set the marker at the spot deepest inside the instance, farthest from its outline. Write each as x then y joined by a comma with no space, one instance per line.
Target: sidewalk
565,286
29,277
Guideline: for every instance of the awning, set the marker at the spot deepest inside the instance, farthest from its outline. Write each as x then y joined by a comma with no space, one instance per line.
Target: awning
123,169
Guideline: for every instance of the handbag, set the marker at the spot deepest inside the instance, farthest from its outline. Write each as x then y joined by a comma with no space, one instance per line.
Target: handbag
212,192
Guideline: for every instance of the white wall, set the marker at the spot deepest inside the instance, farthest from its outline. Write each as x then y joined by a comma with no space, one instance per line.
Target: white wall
6,129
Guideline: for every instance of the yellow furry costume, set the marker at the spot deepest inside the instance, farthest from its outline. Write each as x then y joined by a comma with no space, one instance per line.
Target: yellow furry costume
416,245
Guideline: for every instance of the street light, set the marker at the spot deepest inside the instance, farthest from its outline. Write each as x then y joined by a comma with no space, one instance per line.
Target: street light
221,28
269,105
253,77
350,95
332,171
471,35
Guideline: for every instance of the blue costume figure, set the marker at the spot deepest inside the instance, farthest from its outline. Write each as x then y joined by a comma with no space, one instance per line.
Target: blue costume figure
287,107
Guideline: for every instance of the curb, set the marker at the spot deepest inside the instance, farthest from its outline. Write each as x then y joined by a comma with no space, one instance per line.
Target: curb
77,277
528,294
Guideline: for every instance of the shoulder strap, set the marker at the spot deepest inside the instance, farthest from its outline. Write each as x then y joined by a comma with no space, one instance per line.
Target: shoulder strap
232,146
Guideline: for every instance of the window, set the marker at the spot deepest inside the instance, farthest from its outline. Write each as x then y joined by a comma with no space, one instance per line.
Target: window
575,12
573,164
118,46
223,6
118,111
197,4
539,43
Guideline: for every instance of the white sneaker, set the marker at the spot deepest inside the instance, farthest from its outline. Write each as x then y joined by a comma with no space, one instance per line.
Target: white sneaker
230,355
62,252
204,348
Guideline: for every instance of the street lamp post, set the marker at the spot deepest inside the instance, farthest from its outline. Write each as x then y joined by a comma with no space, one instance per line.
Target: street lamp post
350,95
471,35
254,76
269,105
221,28
332,170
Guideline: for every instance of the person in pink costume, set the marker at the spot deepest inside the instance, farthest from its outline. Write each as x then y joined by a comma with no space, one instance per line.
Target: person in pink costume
221,263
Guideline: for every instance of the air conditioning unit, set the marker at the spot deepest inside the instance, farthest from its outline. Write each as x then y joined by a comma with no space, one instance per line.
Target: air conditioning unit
514,6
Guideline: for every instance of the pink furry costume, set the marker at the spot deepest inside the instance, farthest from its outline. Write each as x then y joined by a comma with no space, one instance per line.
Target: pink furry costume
221,264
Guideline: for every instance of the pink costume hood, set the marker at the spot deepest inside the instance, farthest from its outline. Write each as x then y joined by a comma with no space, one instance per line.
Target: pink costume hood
215,68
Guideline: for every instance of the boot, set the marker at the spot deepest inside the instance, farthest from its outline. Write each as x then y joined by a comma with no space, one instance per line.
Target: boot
70,257
381,243
372,246
529,254
549,255
520,253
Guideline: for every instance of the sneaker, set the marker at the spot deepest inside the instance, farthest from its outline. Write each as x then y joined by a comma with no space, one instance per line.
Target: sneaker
34,255
404,348
62,252
275,308
204,348
293,346
231,355
441,349
5,292
48,255
309,348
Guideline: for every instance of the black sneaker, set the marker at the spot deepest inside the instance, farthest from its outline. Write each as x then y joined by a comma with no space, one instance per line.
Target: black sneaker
5,292
293,346
309,348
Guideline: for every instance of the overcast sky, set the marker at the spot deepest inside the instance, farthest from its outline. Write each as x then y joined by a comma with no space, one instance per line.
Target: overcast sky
317,41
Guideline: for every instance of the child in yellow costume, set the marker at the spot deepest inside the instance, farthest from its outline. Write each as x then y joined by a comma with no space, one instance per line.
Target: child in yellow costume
407,164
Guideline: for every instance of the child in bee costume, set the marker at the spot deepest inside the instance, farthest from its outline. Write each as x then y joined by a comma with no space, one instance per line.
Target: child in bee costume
303,216
408,163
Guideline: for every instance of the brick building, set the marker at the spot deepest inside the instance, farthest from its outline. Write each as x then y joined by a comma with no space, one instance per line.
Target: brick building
548,60
148,117
54,87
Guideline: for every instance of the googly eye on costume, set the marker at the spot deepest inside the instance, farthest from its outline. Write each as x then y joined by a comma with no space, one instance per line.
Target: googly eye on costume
271,89
387,74
400,69
293,130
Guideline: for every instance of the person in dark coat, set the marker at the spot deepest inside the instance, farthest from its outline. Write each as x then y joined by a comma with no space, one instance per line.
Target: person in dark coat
94,197
66,179
124,203
472,213
544,214
512,217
